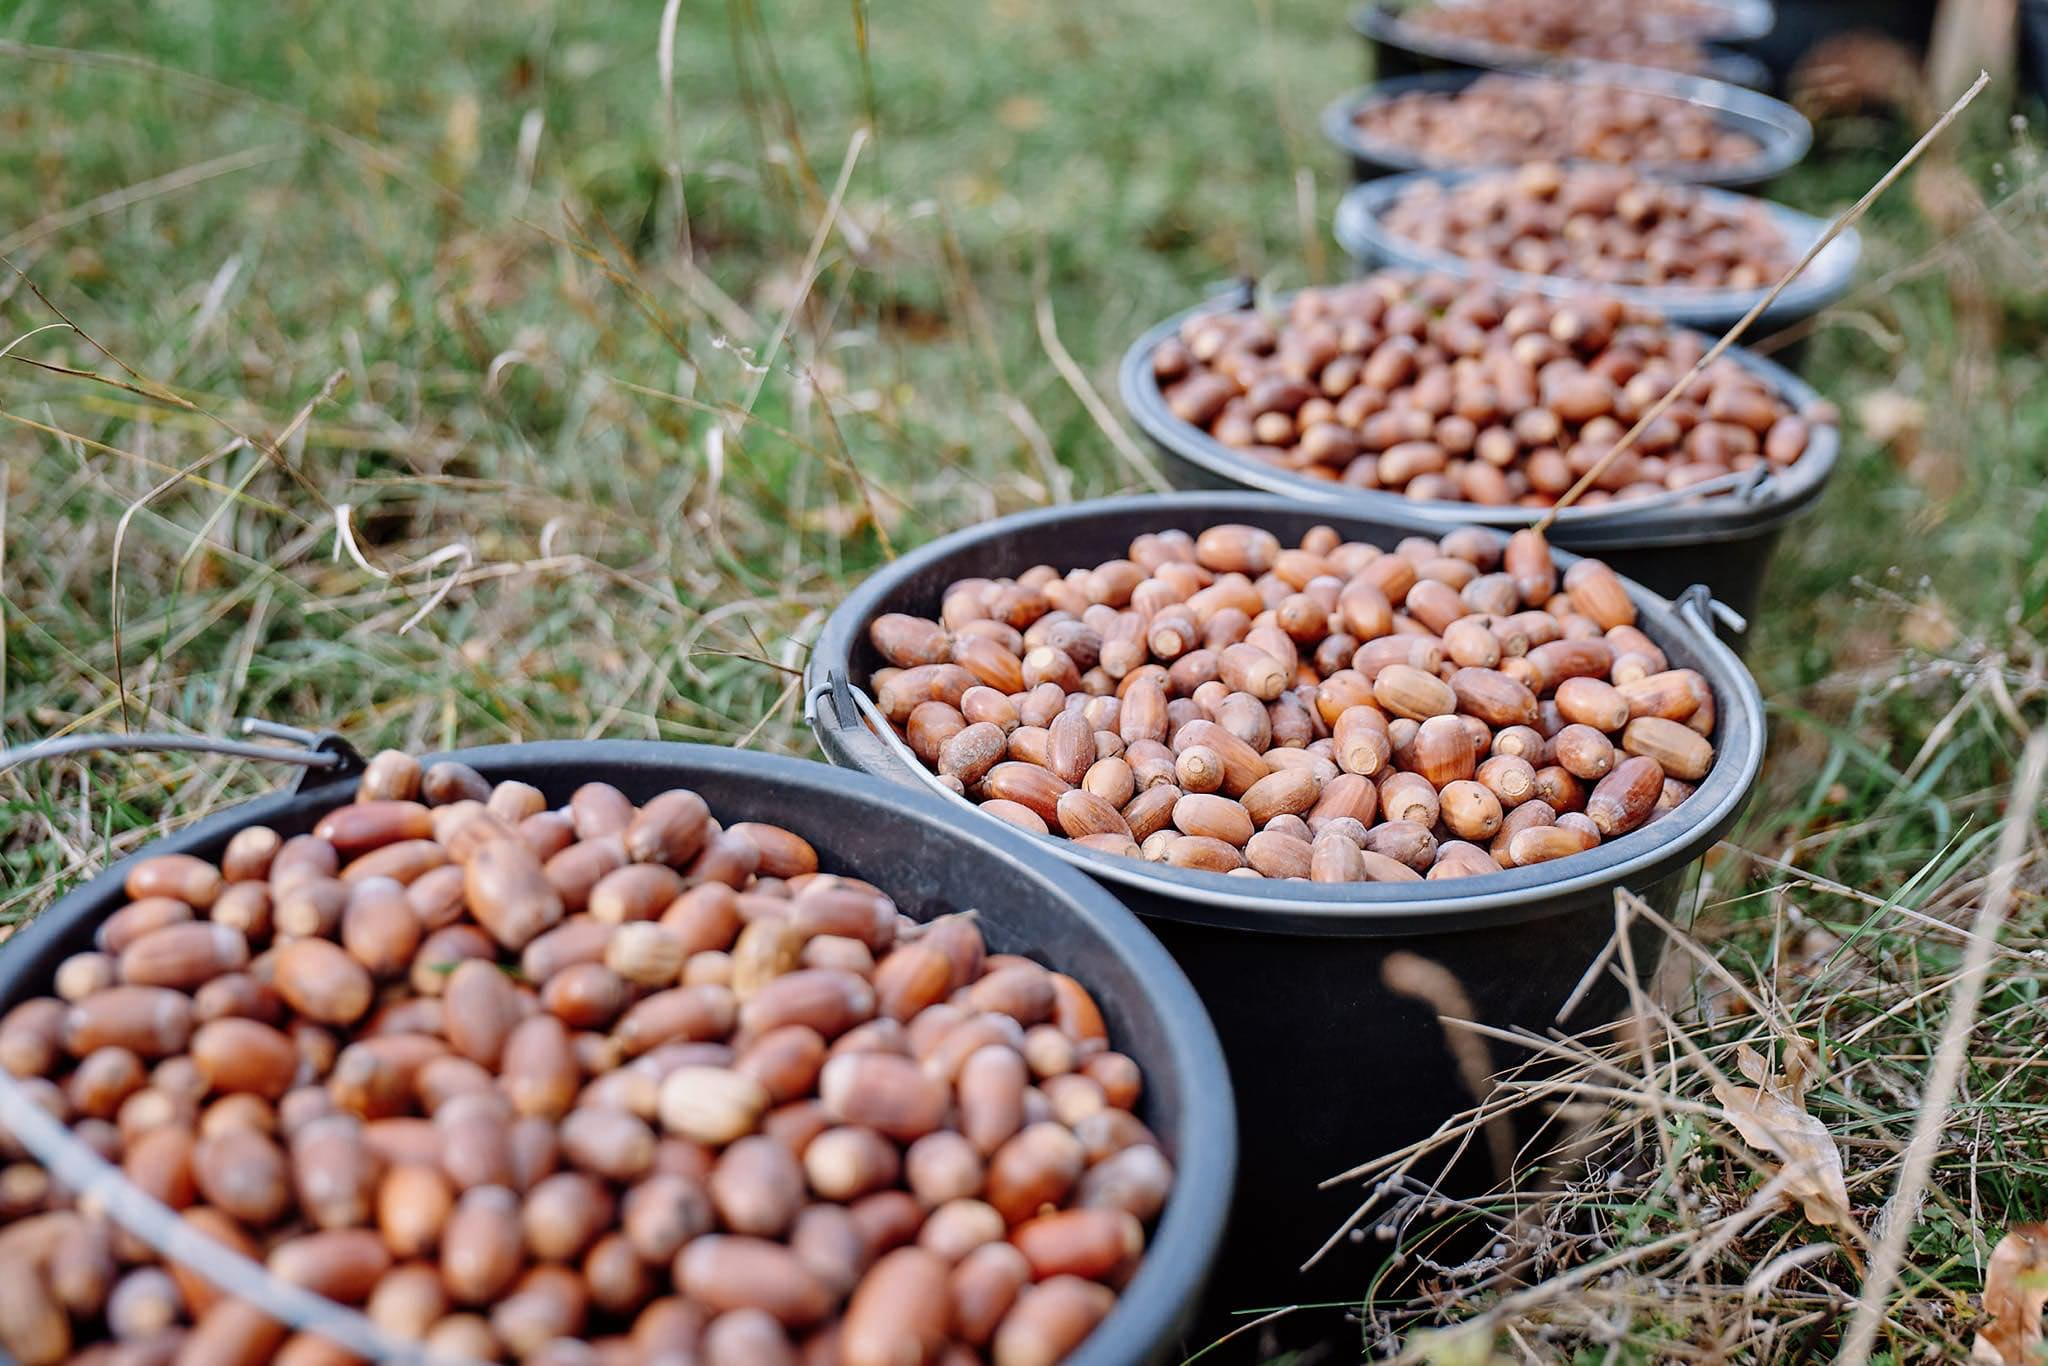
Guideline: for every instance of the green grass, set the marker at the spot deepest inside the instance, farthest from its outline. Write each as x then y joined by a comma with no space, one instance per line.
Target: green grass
554,322
248,204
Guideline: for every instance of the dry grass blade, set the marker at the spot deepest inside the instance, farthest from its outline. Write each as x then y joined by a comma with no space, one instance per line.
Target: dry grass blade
2015,1289
146,462
116,200
127,519
807,277
148,388
1771,1115
2020,816
1077,380
665,69
1253,1326
1843,221
1665,1205
1423,979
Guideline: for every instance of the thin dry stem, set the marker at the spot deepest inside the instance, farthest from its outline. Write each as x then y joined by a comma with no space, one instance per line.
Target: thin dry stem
1948,1061
1077,380
1843,221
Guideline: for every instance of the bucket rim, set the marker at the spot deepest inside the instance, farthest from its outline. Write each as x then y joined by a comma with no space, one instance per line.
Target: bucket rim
1362,232
1747,21
1188,1236
1770,499
1783,133
1653,850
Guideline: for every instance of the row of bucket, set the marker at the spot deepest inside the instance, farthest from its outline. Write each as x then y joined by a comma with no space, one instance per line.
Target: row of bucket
1279,1025
1669,543
1336,1054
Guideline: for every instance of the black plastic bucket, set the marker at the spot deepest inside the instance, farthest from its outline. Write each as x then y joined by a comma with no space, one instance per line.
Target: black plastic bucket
2034,46
1332,1064
1803,24
931,861
1722,538
1399,48
1782,132
1367,240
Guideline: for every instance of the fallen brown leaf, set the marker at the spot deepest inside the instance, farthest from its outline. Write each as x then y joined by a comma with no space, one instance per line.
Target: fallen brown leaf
1928,627
1021,113
1888,416
1771,1116
1856,72
2015,1288
1466,1345
1807,955
1946,196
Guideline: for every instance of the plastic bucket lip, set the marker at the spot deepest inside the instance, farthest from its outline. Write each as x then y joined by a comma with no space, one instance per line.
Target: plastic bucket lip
1737,21
1663,845
1782,132
1190,1229
1367,239
1774,498
1380,23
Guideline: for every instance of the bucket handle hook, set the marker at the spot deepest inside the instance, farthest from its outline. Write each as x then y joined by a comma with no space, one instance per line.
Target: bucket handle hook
1703,611
838,707
858,725
322,756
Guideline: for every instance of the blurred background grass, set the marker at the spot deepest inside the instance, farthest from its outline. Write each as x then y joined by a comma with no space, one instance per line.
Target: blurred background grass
626,341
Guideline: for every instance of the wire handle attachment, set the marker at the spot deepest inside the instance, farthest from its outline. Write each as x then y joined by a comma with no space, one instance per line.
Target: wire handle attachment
324,752
1702,610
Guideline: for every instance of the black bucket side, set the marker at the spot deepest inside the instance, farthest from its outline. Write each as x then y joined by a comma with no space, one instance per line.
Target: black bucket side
1781,132
931,863
1804,24
1362,232
2034,46
1347,1050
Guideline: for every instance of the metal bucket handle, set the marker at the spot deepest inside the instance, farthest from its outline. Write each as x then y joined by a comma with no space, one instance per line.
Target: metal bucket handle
851,715
323,757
